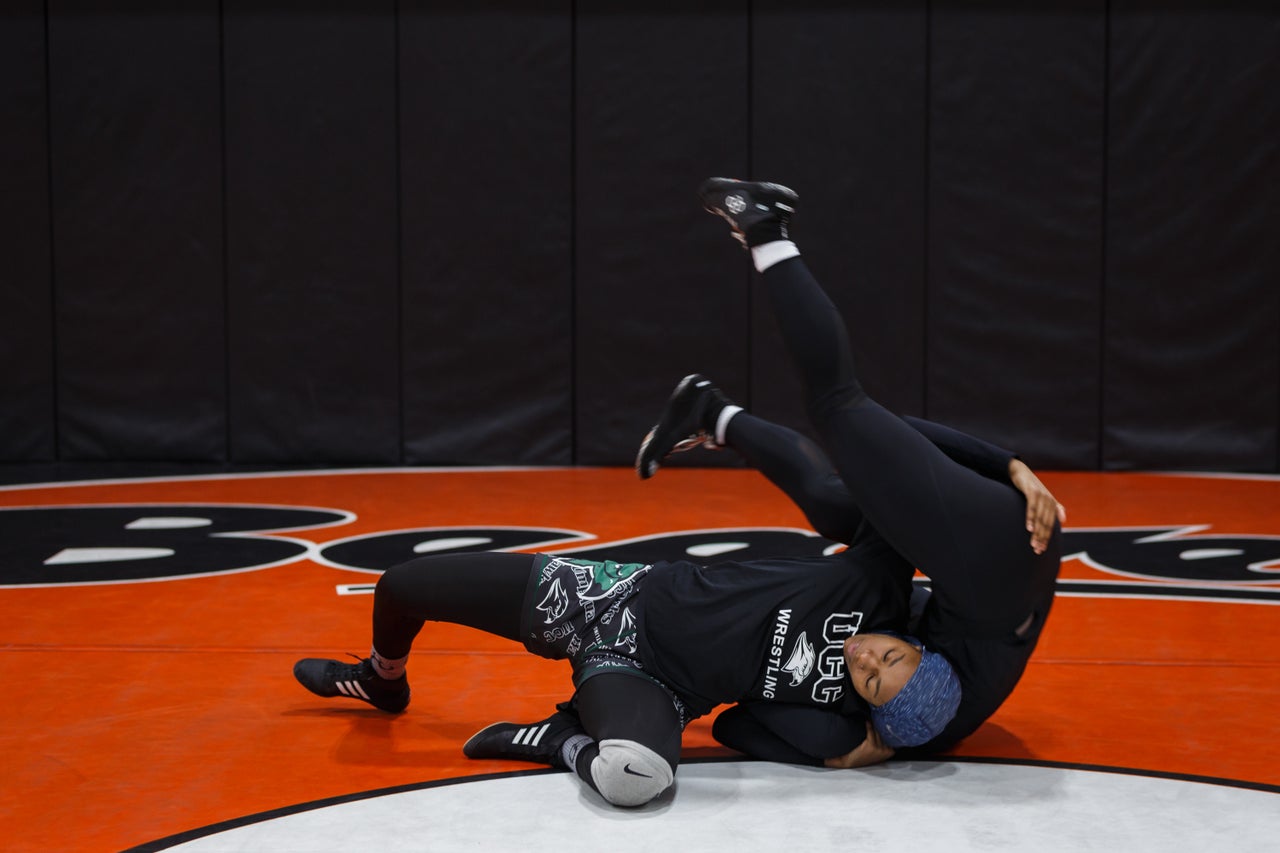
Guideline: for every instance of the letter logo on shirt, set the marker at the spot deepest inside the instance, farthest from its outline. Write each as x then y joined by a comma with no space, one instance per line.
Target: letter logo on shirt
830,686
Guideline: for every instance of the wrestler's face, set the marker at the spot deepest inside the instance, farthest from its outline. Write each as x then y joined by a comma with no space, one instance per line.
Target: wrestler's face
879,665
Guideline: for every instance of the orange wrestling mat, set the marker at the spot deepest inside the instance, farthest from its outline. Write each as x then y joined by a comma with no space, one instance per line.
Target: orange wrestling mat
150,627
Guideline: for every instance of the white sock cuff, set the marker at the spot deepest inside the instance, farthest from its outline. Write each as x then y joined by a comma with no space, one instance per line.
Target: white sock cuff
767,254
386,667
722,422
569,751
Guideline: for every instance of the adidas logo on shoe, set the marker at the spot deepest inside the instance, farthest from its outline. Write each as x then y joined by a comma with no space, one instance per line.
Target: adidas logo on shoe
539,742
329,678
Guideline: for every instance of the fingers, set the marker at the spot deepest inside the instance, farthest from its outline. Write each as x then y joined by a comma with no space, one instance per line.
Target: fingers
1042,508
1040,536
1042,512
1044,528
1040,515
873,749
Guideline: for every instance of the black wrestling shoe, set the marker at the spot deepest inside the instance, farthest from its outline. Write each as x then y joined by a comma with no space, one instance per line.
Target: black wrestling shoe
539,742
355,680
758,212
687,422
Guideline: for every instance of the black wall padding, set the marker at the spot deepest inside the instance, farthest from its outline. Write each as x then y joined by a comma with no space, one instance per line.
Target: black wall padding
26,299
137,223
1016,121
436,233
838,113
660,103
312,231
1193,244
486,175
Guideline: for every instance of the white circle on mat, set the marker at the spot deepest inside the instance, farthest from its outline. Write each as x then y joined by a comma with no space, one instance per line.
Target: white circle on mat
921,806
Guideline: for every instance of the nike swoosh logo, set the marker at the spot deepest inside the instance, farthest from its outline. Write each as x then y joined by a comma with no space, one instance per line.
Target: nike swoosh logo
627,769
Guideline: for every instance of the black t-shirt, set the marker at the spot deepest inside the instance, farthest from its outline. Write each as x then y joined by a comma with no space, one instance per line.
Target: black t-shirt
770,629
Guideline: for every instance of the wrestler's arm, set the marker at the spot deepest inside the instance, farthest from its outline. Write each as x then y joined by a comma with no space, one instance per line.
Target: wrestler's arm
986,458
871,751
790,734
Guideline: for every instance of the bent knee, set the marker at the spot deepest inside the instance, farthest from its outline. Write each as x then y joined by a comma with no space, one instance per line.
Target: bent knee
627,773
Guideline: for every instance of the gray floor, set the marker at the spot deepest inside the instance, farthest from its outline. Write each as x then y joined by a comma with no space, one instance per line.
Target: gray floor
746,806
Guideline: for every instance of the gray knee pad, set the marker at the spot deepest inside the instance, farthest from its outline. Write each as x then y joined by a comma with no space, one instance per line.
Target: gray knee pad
627,773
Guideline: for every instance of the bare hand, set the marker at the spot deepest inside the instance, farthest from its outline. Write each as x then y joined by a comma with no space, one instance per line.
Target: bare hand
870,751
1042,508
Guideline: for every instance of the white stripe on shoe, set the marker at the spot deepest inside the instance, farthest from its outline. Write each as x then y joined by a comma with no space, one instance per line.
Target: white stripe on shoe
352,689
529,736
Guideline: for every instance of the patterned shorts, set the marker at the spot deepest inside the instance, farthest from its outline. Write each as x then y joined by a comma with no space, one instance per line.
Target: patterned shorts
585,611
573,608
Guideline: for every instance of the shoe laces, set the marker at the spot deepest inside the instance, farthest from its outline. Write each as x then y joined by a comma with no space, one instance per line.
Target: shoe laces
702,438
361,670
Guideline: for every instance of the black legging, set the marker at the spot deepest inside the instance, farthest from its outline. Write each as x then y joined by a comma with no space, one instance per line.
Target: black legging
486,591
965,531
481,590
798,466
